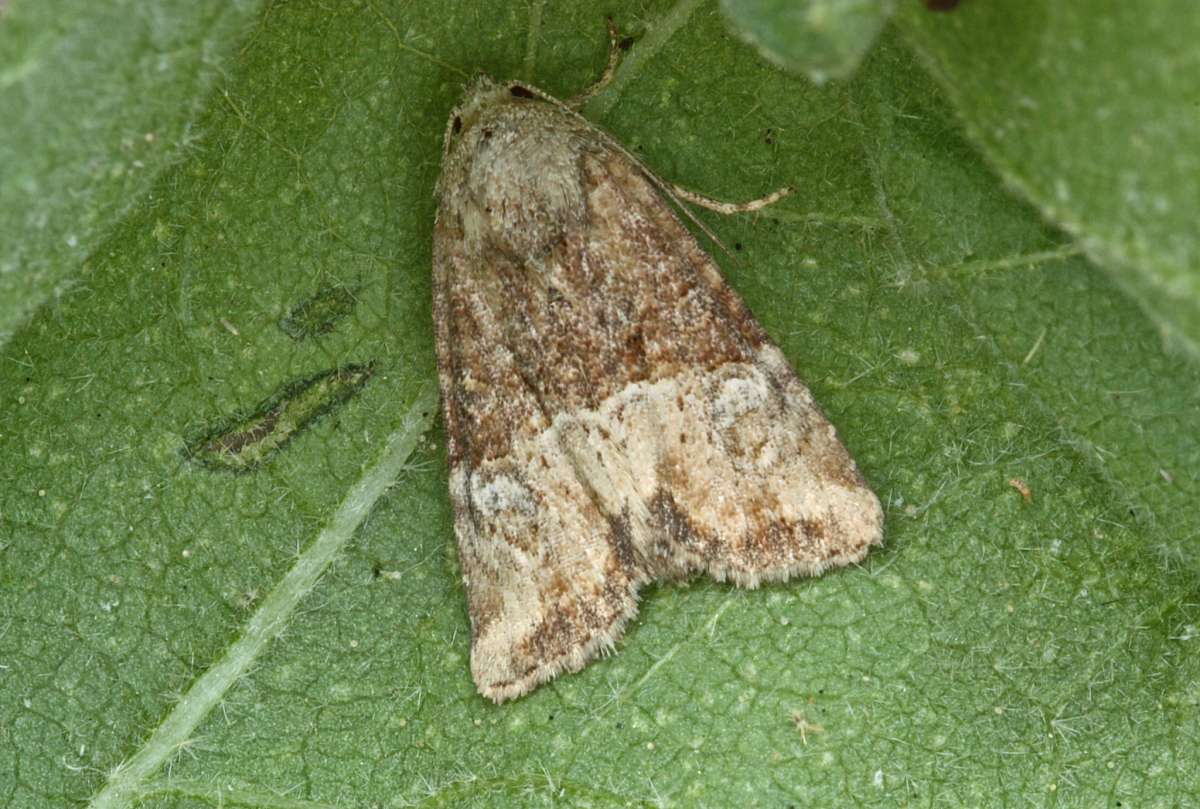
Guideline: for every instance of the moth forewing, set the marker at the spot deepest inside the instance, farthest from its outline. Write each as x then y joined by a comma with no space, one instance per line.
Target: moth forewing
615,414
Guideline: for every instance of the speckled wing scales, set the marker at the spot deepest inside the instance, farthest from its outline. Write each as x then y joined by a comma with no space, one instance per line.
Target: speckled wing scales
614,413
745,479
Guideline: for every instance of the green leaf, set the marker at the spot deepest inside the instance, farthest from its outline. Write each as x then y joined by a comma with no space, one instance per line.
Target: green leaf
97,99
1090,111
823,39
295,634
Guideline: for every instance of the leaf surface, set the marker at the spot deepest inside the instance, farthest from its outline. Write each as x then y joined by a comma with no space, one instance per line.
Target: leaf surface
1090,111
295,634
97,100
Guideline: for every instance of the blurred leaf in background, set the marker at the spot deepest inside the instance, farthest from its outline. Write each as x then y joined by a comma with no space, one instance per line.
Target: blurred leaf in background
1092,112
97,99
822,39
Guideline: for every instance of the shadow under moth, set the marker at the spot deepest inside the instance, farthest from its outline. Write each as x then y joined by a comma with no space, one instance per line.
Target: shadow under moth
615,414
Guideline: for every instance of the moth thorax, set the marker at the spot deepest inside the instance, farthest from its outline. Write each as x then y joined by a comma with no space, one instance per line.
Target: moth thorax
526,187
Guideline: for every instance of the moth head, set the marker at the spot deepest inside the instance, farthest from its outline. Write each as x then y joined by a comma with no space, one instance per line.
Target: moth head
483,97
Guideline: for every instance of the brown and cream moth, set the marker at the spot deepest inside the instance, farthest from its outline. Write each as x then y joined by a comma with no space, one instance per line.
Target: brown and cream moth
614,413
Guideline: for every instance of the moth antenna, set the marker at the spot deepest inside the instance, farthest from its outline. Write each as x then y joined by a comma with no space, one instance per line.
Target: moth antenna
680,195
728,208
610,70
677,194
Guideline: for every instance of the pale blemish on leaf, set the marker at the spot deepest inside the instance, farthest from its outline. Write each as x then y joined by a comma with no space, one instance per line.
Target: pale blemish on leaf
318,314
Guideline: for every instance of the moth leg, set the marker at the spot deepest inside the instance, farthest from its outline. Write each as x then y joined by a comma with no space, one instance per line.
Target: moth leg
730,207
680,195
610,70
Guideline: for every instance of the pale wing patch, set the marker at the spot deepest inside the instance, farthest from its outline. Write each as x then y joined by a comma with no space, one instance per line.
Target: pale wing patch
493,497
550,577
733,472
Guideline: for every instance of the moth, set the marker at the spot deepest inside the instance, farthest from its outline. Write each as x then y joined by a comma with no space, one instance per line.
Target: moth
614,413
